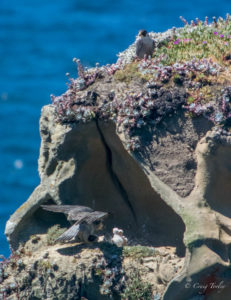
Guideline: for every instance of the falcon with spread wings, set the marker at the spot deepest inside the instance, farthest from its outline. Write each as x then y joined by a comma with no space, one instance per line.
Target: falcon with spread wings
87,222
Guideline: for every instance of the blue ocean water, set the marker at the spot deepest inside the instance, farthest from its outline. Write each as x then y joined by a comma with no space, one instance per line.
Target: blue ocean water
38,40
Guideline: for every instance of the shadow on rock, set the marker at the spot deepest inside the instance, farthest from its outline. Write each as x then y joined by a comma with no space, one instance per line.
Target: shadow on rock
106,271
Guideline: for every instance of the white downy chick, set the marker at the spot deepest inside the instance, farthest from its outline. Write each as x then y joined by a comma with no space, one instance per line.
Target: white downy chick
118,238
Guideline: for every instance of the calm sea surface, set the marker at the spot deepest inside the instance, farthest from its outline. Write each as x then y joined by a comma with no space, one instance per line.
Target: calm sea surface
38,40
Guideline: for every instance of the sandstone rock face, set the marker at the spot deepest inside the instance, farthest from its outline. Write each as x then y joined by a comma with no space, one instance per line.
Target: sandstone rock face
174,192
88,165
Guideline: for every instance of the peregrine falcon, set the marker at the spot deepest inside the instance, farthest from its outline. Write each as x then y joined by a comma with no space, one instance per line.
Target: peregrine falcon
87,221
144,45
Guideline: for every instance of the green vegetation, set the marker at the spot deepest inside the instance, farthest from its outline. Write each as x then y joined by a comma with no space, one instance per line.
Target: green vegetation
205,94
129,73
201,41
99,272
190,100
136,289
44,265
138,251
53,233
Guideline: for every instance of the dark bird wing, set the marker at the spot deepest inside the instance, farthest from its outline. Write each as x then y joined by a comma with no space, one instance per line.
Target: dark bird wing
94,216
80,217
86,217
66,209
76,213
69,234
89,217
139,46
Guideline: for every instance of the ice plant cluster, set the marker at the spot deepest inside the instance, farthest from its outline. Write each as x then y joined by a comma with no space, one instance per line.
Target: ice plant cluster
199,39
68,104
111,280
138,109
205,66
111,69
86,76
72,106
222,113
3,265
184,57
219,111
164,73
111,273
14,261
198,109
132,110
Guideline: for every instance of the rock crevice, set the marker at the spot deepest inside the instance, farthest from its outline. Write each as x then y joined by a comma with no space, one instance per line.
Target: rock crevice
112,174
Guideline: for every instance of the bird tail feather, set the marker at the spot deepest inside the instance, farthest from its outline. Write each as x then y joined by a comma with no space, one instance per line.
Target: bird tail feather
69,234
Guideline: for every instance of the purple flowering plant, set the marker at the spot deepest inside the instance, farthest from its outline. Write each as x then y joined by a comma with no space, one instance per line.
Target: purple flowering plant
199,39
190,59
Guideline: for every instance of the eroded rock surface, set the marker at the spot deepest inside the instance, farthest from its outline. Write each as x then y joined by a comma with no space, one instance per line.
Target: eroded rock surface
88,164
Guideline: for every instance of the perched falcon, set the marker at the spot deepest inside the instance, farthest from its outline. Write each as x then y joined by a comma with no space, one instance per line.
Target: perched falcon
144,44
87,221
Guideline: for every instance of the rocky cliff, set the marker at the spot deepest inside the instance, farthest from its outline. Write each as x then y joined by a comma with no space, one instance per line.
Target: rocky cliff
148,141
